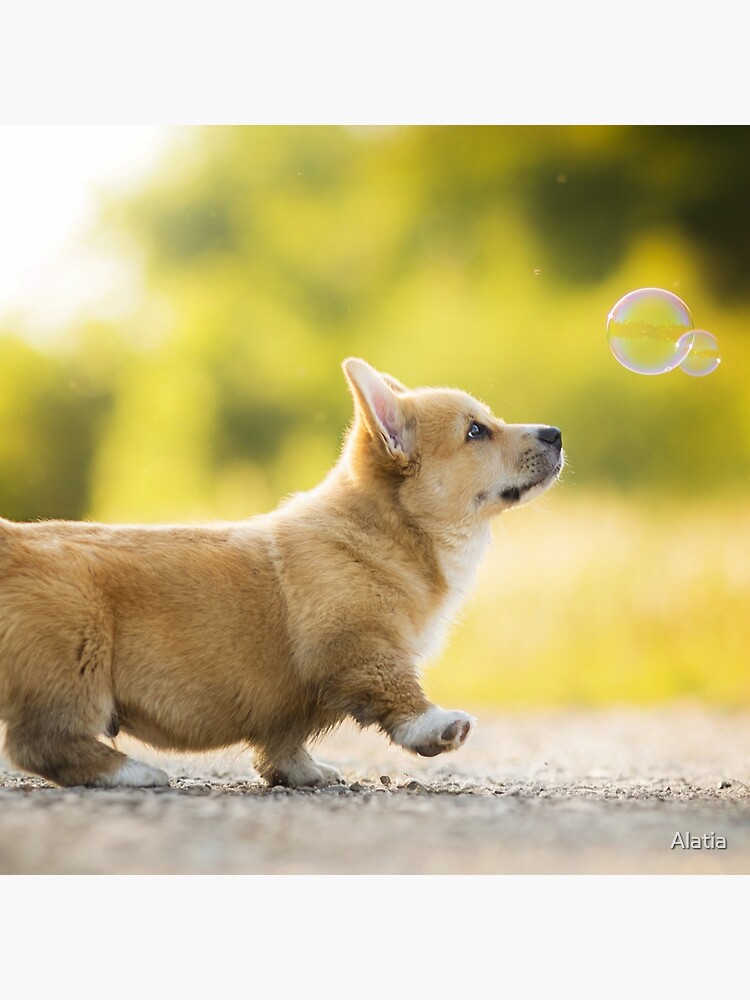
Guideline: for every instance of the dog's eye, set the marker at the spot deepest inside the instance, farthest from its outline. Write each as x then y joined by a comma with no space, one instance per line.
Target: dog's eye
477,432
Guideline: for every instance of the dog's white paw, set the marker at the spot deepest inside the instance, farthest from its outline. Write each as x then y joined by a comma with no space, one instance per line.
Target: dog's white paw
438,730
302,772
133,774
312,774
330,775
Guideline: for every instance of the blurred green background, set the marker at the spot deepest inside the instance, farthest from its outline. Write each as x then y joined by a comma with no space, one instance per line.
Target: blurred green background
481,257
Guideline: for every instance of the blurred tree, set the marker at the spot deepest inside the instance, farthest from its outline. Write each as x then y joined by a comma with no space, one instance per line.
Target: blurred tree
52,409
593,190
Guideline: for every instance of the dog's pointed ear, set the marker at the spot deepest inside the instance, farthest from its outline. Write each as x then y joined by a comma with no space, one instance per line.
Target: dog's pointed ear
393,382
379,400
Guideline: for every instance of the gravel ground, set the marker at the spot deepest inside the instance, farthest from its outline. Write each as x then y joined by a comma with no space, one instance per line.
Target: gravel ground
535,793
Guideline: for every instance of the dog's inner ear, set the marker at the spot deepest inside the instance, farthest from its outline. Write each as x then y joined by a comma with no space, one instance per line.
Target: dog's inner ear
382,409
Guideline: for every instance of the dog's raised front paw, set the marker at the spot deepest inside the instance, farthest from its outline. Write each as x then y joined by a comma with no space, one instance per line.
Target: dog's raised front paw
435,731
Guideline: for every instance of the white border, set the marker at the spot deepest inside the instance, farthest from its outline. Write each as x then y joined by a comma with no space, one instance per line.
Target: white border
189,62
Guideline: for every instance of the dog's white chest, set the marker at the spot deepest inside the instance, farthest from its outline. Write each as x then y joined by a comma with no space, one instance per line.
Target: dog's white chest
459,565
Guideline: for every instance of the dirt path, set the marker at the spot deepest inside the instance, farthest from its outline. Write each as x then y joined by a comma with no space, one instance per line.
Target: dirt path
573,792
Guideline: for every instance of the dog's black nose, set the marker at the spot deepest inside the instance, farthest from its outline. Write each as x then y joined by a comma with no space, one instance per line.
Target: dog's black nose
550,435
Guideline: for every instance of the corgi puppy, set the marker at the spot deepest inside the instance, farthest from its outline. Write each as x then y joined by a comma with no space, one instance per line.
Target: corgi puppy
270,631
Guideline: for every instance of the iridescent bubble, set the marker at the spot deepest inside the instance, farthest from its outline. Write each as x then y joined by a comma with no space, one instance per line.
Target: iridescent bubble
650,331
704,354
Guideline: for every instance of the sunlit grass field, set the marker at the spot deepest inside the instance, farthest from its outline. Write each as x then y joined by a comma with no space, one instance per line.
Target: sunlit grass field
595,600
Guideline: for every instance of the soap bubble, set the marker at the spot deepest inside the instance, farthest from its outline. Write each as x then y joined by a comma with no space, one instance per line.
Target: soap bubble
650,331
704,354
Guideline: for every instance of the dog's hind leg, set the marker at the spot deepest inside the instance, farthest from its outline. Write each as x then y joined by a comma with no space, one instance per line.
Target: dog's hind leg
57,693
74,759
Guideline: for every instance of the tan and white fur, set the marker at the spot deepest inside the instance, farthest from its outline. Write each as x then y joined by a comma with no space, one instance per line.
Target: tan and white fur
270,631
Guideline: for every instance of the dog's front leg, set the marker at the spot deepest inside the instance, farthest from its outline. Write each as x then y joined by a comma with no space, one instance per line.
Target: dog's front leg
388,694
436,730
293,767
